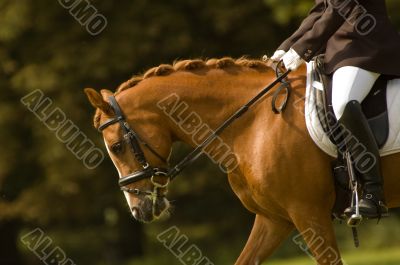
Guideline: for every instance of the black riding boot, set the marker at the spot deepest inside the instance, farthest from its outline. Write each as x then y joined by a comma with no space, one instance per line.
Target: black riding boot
365,154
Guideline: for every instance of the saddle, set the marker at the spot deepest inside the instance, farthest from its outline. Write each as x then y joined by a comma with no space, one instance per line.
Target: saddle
375,109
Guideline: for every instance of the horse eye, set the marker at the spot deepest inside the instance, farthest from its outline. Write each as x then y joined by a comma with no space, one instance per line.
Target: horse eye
117,148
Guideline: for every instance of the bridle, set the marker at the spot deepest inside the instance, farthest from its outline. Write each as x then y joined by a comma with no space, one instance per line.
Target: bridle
134,140
148,171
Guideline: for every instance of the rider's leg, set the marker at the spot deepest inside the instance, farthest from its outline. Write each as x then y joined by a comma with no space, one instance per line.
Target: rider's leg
350,83
350,87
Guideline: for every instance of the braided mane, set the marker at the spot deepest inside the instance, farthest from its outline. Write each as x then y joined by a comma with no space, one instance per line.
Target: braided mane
193,65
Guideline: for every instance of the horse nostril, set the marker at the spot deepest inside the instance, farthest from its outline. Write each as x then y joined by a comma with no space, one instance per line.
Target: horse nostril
136,213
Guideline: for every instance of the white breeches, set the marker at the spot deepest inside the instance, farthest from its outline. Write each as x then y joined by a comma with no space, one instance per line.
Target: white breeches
350,83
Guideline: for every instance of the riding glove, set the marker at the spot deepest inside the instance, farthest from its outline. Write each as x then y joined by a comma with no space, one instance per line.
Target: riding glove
292,60
278,55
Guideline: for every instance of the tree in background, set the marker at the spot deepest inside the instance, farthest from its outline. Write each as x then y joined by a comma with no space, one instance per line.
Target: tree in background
42,184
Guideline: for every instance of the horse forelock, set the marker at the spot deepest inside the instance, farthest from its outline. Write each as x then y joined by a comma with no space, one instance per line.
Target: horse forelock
197,64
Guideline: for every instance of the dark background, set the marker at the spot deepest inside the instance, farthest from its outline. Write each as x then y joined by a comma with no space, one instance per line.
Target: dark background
43,185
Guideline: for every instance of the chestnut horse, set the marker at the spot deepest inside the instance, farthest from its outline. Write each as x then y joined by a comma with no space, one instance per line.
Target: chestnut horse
279,174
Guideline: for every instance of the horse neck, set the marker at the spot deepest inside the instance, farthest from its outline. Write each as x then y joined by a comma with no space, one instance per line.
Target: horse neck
190,101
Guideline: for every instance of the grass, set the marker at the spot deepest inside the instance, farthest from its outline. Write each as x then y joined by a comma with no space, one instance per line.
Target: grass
389,256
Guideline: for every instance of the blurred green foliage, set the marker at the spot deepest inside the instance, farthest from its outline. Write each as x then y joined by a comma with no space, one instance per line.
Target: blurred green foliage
43,185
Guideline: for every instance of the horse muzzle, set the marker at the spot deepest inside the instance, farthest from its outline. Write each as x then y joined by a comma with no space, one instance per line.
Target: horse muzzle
149,210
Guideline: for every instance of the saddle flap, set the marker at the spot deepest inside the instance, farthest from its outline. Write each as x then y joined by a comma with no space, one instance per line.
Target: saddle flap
375,109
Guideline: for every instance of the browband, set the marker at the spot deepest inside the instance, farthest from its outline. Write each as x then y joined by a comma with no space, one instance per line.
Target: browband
108,123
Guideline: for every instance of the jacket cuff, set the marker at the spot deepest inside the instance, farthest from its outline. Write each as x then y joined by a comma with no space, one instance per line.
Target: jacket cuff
306,53
285,46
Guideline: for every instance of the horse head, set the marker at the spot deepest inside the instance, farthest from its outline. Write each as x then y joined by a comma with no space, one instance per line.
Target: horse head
139,145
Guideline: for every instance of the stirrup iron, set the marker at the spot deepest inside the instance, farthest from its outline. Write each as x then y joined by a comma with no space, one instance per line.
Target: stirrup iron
355,219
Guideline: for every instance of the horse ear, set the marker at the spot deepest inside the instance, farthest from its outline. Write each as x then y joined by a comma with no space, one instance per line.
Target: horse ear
106,93
97,100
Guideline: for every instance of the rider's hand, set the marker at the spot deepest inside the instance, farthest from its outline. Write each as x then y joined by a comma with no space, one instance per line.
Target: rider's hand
292,60
278,55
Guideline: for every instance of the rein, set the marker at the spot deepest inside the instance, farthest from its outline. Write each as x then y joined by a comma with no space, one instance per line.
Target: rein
148,171
192,156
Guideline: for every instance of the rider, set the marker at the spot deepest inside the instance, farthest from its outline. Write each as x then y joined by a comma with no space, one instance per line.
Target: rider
359,43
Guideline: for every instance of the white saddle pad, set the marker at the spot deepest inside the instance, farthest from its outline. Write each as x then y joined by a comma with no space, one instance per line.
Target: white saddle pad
322,140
